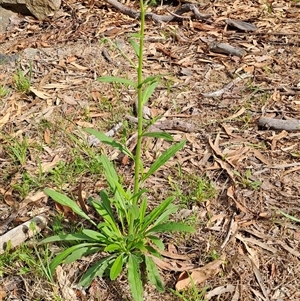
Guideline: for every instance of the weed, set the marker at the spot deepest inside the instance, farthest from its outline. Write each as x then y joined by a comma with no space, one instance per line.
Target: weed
199,188
128,234
3,91
191,294
18,150
245,181
25,260
22,83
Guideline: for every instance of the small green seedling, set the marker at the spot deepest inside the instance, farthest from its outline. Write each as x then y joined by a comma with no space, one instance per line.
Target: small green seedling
22,83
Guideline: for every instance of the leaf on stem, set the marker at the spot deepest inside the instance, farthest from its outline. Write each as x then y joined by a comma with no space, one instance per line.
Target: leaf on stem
162,135
110,141
155,213
148,91
165,156
113,79
63,255
135,47
66,237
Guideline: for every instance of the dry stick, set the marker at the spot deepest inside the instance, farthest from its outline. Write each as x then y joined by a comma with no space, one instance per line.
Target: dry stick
229,231
19,234
159,18
289,125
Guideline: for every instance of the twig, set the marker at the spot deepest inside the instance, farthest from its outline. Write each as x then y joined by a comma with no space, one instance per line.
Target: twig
229,231
160,18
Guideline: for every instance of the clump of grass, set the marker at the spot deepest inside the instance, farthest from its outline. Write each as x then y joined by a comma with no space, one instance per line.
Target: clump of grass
3,91
22,83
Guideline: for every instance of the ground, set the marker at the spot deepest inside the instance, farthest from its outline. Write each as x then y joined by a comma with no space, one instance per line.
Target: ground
232,180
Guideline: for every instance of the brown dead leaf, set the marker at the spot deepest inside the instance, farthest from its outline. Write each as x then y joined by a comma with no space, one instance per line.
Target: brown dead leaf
172,265
47,136
80,195
236,115
230,193
199,275
65,285
32,198
4,119
2,294
40,94
46,166
261,157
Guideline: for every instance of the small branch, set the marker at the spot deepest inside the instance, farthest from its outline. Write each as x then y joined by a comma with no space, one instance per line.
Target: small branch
160,18
289,125
24,231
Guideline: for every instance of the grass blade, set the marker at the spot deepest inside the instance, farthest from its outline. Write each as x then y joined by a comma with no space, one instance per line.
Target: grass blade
290,217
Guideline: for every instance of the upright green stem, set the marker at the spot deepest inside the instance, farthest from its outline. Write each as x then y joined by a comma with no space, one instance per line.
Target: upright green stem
139,105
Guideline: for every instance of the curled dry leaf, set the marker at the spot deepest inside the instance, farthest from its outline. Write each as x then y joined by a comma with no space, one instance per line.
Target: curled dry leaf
199,275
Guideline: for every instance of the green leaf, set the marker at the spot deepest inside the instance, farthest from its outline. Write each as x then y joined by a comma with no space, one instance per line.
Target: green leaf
155,240
153,274
148,92
96,236
143,208
112,248
171,227
97,269
110,141
65,201
77,254
153,252
113,79
165,156
152,78
116,268
66,237
135,47
156,212
107,213
165,215
134,278
61,256
162,135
